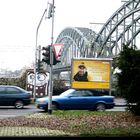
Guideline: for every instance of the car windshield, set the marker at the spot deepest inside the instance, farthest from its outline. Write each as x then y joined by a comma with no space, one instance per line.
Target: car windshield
67,92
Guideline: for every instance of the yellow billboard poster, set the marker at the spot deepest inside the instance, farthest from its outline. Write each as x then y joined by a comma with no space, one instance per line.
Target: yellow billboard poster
91,73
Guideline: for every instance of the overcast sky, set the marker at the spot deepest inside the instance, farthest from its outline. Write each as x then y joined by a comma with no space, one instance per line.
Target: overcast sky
19,20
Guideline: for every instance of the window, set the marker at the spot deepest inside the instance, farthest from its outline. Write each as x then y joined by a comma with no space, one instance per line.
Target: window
87,93
11,90
2,90
97,92
76,93
82,93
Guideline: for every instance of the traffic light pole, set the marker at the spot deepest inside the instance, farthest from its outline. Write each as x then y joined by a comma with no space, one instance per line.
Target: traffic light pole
51,66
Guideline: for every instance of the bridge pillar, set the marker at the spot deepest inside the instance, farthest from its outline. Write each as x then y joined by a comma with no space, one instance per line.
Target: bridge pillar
56,76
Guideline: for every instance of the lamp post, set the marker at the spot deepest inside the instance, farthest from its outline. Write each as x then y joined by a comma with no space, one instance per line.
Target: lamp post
36,50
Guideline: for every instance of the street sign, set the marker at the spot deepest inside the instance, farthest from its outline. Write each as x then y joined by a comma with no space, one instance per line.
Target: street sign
57,49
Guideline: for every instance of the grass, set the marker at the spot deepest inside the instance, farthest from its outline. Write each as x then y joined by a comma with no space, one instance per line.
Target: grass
113,132
80,113
80,120
79,123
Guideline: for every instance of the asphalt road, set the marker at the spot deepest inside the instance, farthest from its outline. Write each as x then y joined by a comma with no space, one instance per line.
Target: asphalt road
12,112
6,112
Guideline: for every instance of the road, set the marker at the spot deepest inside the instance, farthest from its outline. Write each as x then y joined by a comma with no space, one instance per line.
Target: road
118,108
12,112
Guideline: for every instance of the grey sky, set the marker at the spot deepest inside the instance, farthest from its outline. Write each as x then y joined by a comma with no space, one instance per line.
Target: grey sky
19,20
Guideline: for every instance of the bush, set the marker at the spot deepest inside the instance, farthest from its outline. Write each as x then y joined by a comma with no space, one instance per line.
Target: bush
128,79
59,87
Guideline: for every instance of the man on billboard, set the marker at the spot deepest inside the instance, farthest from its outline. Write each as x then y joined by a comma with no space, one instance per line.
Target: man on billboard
82,74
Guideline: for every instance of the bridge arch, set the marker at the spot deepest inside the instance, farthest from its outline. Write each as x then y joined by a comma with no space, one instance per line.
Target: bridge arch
118,28
76,42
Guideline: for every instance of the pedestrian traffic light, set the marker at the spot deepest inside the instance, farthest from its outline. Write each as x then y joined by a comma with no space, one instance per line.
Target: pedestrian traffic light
46,54
39,66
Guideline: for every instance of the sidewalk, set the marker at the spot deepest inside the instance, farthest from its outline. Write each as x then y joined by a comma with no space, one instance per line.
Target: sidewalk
23,131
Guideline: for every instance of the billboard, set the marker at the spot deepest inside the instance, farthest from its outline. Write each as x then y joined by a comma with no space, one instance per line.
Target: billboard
91,73
42,80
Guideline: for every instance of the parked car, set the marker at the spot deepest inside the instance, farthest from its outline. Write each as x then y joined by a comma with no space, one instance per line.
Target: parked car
76,99
14,96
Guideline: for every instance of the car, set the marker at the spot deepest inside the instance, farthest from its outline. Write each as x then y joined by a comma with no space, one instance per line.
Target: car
14,96
77,99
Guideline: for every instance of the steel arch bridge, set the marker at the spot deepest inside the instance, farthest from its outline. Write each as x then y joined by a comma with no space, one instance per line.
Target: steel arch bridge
77,44
122,27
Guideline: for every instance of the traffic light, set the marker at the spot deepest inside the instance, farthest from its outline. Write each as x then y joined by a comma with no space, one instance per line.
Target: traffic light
51,10
46,54
39,66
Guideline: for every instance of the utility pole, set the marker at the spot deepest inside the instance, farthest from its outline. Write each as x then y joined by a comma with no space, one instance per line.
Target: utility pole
51,64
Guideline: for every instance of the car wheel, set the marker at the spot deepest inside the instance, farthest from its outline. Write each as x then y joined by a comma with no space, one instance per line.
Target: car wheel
19,104
100,107
54,106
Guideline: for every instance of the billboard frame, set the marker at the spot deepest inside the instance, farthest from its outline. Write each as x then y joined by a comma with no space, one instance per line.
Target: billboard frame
82,85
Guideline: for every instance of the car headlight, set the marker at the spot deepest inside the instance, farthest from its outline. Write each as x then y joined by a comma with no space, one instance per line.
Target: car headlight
41,101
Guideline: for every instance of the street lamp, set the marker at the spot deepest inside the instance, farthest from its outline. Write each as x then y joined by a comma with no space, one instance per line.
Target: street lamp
36,50
50,15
